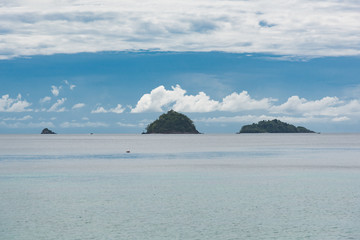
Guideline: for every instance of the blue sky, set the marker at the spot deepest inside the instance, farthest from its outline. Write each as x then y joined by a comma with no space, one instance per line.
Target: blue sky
109,67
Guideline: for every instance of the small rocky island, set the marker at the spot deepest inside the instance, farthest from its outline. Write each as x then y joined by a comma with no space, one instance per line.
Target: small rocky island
172,123
273,126
47,131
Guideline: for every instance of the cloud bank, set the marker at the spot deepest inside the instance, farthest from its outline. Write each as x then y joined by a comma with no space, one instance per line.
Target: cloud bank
160,100
299,27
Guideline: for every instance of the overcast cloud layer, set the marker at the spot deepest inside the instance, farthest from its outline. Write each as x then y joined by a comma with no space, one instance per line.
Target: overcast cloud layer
299,27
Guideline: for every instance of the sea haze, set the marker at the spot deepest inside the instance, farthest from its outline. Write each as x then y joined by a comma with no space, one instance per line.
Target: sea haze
234,186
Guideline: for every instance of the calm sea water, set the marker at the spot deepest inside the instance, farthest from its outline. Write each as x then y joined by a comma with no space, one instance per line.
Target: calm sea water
256,186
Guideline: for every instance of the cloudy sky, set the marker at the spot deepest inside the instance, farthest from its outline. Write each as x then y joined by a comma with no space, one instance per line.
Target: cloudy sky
113,66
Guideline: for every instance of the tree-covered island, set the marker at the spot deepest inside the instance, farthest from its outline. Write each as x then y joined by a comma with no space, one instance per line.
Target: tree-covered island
172,123
273,126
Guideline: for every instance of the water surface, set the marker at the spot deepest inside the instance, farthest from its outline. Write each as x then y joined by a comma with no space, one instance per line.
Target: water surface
247,186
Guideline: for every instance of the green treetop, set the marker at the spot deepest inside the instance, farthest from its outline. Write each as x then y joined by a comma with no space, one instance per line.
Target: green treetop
172,122
273,126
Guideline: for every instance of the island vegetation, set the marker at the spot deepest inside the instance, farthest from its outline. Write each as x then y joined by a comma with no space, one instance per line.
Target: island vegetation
172,122
47,131
273,126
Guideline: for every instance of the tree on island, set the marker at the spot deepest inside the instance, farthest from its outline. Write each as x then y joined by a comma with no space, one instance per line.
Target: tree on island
172,123
273,126
47,131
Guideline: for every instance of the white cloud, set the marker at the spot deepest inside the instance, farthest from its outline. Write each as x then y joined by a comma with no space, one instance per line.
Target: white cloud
45,99
160,98
198,103
327,106
55,106
99,110
71,86
78,105
118,109
40,125
82,125
27,117
8,104
127,124
55,90
257,118
351,108
245,118
299,27
295,109
157,99
340,119
237,102
27,125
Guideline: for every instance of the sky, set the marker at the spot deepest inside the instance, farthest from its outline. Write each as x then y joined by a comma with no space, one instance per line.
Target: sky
114,66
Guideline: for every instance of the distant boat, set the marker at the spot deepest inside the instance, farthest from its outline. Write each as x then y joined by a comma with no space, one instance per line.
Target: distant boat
128,151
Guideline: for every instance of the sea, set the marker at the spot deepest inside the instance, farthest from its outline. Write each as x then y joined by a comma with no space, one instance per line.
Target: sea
220,186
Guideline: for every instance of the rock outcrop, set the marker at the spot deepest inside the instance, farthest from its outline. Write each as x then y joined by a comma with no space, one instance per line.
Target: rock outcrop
47,131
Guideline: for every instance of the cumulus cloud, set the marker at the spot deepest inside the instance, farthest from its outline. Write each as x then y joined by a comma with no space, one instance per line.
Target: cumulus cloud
118,109
299,105
327,106
295,109
242,101
350,108
55,90
198,103
99,110
8,104
56,106
45,99
71,86
160,98
78,105
299,27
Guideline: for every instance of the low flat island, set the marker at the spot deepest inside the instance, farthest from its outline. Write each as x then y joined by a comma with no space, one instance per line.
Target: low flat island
273,126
